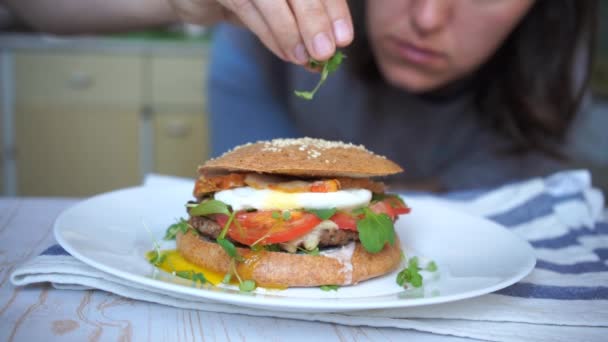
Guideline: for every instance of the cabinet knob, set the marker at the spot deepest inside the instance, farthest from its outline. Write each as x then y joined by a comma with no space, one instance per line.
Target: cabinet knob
80,80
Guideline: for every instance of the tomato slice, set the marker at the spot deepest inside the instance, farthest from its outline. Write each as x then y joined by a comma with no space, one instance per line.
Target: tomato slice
390,206
398,205
383,207
345,220
268,227
402,210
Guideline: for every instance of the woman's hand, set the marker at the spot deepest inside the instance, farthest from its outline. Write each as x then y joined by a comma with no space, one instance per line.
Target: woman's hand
294,30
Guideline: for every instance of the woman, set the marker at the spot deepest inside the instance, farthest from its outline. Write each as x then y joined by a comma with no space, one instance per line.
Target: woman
463,94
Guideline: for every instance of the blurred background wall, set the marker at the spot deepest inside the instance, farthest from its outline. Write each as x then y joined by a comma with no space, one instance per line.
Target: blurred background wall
91,114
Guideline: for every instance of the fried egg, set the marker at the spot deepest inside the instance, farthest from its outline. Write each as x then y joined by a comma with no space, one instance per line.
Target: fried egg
266,199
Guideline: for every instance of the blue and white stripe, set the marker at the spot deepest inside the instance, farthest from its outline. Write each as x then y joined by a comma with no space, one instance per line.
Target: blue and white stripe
562,217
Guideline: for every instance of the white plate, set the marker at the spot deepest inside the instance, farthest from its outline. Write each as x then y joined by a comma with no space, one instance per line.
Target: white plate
113,231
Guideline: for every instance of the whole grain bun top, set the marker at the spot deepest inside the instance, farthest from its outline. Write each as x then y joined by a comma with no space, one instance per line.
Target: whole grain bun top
304,157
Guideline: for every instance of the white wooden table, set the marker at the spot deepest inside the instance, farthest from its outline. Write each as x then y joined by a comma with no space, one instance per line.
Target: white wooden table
38,313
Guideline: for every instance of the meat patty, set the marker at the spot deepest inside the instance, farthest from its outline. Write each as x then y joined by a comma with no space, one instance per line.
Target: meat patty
327,238
337,237
205,226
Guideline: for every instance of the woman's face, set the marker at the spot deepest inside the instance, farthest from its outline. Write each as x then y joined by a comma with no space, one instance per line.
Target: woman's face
421,45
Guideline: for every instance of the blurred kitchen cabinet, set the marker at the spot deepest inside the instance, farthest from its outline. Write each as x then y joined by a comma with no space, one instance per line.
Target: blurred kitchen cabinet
53,79
179,142
76,123
180,121
178,81
87,123
76,152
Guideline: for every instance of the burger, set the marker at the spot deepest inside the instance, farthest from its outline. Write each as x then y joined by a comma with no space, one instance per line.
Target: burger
294,213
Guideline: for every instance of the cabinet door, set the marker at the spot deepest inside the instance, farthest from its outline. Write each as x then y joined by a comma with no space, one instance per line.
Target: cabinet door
181,142
55,79
178,81
72,152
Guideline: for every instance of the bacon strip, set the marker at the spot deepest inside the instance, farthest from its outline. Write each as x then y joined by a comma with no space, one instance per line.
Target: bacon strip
205,185
362,183
209,184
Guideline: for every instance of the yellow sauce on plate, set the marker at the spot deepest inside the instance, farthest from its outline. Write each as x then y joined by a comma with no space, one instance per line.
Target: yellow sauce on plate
174,262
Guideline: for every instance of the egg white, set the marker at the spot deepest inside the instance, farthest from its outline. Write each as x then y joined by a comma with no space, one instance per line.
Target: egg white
265,199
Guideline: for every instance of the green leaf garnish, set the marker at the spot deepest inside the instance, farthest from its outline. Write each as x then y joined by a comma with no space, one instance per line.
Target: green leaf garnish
227,245
416,279
156,257
431,267
247,286
330,287
229,248
323,214
410,274
181,226
227,278
227,225
314,251
210,207
286,215
272,248
329,66
197,277
313,63
334,62
256,247
375,230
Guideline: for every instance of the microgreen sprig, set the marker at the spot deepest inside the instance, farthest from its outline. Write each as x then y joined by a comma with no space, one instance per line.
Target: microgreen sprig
180,226
155,257
328,288
328,66
411,273
244,285
227,245
211,207
196,277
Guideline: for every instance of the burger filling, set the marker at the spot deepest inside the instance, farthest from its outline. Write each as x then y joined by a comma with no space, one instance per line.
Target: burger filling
293,214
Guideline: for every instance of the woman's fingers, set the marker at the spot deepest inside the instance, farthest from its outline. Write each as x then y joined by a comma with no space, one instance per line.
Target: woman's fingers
341,21
315,27
282,23
251,17
296,30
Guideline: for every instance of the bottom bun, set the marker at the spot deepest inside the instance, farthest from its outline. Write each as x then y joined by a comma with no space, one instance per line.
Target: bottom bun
347,266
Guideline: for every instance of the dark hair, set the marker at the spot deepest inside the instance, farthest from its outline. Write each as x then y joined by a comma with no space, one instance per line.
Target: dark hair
532,87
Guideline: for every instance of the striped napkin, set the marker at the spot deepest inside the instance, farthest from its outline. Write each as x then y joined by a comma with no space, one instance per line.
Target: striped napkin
565,298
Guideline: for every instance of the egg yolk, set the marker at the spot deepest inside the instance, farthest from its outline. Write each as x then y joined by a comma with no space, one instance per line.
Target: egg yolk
174,262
